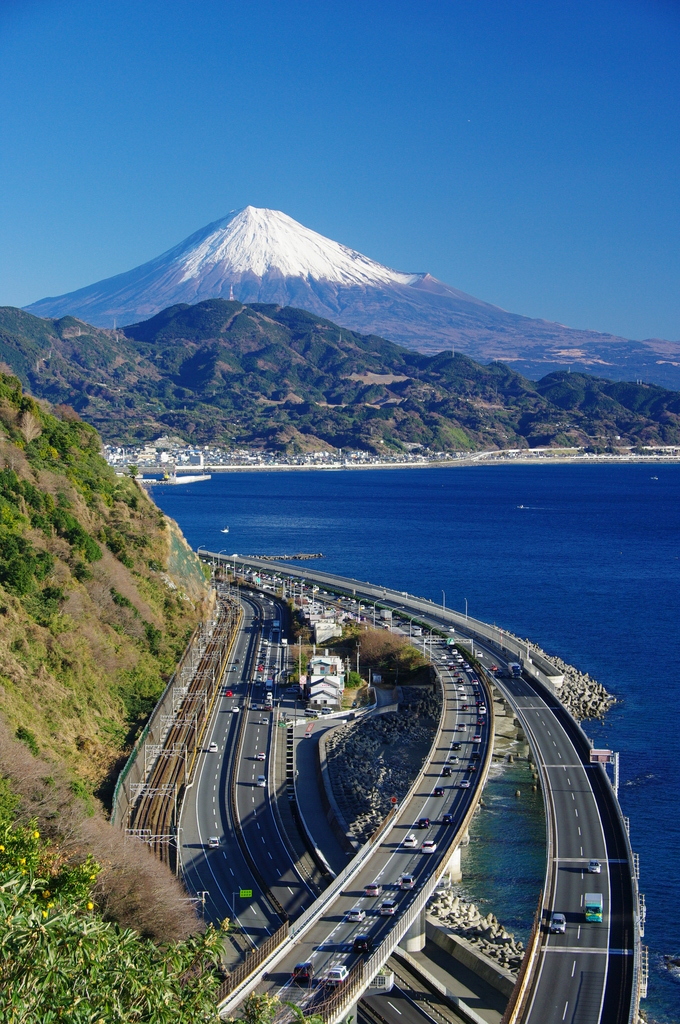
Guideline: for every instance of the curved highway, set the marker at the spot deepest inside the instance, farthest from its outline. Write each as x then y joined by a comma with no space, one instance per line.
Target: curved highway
587,974
328,943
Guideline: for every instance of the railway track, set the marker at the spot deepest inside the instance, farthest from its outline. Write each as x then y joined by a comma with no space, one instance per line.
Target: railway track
154,815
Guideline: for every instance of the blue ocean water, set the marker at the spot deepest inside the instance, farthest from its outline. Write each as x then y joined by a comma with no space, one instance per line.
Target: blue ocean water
583,559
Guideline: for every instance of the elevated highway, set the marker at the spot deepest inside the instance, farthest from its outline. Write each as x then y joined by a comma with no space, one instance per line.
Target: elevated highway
592,972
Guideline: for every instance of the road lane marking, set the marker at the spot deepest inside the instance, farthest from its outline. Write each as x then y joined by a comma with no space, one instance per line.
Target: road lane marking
565,1009
573,968
394,1008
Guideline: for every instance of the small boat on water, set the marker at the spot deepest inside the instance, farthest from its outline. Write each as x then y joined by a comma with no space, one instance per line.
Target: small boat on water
225,530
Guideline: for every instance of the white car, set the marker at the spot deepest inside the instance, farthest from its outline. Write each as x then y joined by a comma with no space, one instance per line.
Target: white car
213,748
429,846
594,867
261,781
235,709
388,907
213,842
465,784
261,756
356,914
558,924
410,842
407,882
336,975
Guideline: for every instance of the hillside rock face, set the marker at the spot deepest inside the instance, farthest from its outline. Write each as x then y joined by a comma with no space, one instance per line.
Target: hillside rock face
257,255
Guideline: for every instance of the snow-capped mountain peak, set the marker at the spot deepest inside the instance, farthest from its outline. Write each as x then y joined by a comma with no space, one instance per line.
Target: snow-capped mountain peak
259,242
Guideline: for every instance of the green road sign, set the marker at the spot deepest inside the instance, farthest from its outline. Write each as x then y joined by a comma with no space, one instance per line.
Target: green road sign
245,893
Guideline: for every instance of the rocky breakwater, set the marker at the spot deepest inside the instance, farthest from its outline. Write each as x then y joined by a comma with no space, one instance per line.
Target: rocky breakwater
378,757
485,933
582,695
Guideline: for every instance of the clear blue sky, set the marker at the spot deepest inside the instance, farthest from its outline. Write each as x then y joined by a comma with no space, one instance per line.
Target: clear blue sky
525,152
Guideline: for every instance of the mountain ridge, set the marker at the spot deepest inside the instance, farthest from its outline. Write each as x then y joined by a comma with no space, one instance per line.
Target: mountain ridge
280,378
264,256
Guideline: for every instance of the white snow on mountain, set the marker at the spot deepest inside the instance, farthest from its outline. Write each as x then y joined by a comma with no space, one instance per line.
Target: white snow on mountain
259,241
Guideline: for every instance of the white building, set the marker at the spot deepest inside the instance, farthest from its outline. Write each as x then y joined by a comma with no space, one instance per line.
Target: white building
326,631
325,680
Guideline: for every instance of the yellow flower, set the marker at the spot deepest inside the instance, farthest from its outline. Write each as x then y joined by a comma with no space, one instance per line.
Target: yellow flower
90,906
22,860
2,848
46,894
50,904
44,913
36,834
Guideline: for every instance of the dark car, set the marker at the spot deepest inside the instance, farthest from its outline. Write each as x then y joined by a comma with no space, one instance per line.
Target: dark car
423,822
446,772
304,972
480,721
464,707
471,768
455,746
438,791
475,756
362,944
447,819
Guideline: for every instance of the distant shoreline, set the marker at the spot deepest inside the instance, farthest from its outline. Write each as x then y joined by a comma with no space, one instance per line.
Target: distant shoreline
537,460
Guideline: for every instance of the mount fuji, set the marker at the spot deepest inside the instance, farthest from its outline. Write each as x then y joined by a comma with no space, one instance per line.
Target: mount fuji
264,256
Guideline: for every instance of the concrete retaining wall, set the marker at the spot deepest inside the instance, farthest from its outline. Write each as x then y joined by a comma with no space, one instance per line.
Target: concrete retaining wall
481,965
134,769
334,815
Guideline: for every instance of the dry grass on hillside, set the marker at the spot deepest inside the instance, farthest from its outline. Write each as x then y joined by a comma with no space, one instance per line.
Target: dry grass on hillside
133,888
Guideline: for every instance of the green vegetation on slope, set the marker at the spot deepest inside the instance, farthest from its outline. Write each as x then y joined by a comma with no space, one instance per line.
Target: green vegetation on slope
92,621
60,960
62,957
283,378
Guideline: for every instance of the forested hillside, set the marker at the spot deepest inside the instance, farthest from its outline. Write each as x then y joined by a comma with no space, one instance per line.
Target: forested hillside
93,613
284,379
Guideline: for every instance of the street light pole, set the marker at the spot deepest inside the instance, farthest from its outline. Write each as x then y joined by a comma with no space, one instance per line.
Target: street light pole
466,609
443,601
